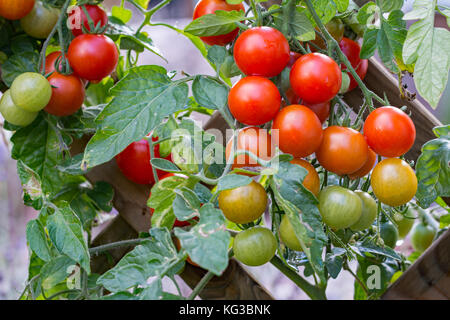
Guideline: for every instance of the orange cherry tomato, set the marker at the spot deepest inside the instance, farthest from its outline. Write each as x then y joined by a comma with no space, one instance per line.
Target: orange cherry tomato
311,181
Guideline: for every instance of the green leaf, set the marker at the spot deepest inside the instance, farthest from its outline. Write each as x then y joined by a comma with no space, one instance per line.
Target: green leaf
102,194
232,181
391,5
207,242
18,64
164,165
121,13
153,291
366,14
217,55
66,233
368,248
221,22
31,182
432,169
210,93
334,261
155,257
142,99
295,22
56,271
325,9
186,204
37,240
142,3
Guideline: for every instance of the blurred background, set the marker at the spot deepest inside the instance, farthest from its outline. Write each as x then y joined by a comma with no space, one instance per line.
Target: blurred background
181,56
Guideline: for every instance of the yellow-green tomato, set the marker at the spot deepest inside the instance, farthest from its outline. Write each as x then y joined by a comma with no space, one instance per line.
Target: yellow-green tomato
340,207
255,246
405,223
31,91
389,234
368,214
14,114
422,236
287,234
243,204
40,21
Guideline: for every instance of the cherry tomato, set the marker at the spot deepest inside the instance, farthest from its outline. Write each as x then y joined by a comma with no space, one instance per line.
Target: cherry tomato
134,162
254,100
316,78
311,181
368,213
40,21
293,56
243,204
77,18
31,91
15,9
261,51
299,130
352,50
335,27
67,94
50,61
343,150
211,6
389,132
287,234
13,114
322,109
340,208
93,56
405,222
257,141
422,236
394,182
389,234
366,168
255,246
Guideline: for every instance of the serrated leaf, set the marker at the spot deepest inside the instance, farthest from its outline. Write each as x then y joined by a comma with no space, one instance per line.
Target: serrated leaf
210,93
221,22
37,240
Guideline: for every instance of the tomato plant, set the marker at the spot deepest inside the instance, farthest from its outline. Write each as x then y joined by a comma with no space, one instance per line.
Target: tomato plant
255,246
79,19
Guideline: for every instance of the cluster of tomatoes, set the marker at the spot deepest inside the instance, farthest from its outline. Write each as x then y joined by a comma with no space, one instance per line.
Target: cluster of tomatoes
92,57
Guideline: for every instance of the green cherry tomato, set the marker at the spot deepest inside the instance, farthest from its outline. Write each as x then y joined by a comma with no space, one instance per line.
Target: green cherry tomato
40,21
345,83
288,236
340,208
405,222
369,212
14,114
422,236
389,234
31,91
255,246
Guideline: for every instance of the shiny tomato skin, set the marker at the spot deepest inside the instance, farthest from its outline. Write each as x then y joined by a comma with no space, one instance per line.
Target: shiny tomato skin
15,9
343,150
293,56
299,130
31,91
93,56
67,94
366,168
394,182
316,78
254,100
322,109
261,51
204,7
389,132
50,61
255,246
40,21
253,139
368,213
311,181
287,234
422,236
97,14
351,49
13,114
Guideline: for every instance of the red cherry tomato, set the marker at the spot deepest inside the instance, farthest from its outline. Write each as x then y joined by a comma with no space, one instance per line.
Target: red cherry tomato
50,61
352,50
15,9
316,78
211,6
93,56
134,162
299,130
77,18
67,94
261,51
343,150
254,100
389,132
322,109
293,57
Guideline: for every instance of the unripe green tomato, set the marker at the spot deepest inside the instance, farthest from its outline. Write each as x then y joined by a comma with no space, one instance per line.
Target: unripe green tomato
405,223
422,236
14,114
340,207
287,234
31,91
40,21
255,246
345,83
183,156
369,211
389,234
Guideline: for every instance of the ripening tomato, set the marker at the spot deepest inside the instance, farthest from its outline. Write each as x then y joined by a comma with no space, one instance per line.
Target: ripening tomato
13,114
405,222
243,204
389,132
204,7
93,56
394,182
31,91
67,94
368,213
322,109
261,51
422,236
335,27
311,181
40,21
316,78
366,168
351,49
15,9
134,162
255,246
287,234
343,150
77,18
299,130
254,100
256,140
